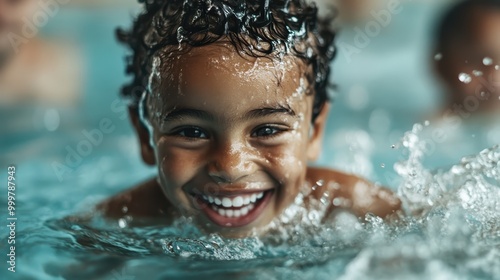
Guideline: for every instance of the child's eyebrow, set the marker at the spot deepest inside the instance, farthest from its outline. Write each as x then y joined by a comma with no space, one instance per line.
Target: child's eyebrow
179,113
263,112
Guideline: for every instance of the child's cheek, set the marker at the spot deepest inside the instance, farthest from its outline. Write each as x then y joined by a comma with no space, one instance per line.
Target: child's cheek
176,168
289,171
287,163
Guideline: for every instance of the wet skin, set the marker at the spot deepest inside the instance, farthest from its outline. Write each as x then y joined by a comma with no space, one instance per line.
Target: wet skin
229,126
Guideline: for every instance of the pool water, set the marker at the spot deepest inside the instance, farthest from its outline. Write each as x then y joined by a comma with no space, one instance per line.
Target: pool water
451,230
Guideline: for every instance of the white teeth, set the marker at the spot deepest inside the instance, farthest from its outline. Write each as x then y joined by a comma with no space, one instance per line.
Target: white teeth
244,202
217,201
237,213
230,213
222,212
237,201
226,202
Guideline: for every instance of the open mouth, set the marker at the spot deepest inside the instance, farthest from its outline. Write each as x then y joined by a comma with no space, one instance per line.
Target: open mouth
234,210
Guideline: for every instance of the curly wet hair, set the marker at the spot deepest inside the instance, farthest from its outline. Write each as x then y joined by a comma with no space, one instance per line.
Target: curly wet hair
259,28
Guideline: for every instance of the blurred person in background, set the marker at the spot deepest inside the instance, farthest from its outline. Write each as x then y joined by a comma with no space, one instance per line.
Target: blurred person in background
40,80
34,70
467,59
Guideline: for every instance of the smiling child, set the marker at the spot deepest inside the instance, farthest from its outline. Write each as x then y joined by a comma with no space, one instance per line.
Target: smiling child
229,100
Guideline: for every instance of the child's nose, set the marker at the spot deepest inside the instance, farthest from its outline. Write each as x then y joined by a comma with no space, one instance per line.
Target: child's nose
230,163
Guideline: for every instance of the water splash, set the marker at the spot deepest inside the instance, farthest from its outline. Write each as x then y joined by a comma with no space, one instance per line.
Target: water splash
472,183
452,229
464,78
487,61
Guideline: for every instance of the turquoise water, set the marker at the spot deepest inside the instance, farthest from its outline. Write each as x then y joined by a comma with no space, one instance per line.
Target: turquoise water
454,232
451,230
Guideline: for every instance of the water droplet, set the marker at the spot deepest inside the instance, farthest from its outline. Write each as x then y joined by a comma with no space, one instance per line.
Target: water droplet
124,209
309,52
477,73
464,78
382,165
122,223
338,201
320,183
427,123
438,56
497,67
487,61
313,215
393,146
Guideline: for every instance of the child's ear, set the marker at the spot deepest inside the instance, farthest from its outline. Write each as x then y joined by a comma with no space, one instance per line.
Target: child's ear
316,134
147,151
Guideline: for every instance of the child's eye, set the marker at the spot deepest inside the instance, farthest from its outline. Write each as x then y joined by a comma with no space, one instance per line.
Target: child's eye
191,132
267,131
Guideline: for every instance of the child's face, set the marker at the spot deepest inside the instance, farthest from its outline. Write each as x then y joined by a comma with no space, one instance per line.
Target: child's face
478,52
227,133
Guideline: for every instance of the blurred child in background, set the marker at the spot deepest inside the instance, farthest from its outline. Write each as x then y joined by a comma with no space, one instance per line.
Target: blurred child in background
34,70
467,60
468,47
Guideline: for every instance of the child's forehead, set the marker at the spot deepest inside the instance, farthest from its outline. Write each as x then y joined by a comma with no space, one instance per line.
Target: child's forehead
480,35
222,61
216,70
483,34
488,24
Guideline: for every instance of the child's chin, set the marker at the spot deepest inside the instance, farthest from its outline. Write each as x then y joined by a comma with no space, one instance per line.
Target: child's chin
236,221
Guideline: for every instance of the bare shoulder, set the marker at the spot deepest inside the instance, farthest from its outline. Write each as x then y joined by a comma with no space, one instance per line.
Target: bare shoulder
144,200
358,195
